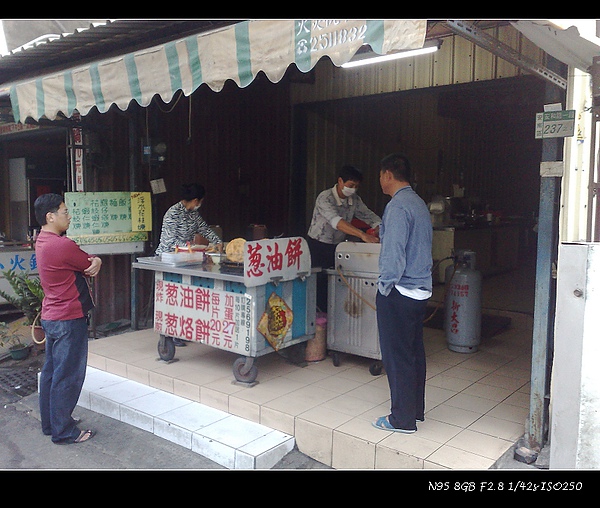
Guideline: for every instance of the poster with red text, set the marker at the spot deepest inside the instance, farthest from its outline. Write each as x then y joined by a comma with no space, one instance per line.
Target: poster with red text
219,319
275,260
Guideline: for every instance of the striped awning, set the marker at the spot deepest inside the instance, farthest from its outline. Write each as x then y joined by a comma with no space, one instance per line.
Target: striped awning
237,52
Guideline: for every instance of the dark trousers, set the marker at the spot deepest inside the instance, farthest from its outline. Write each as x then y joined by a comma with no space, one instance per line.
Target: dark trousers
400,322
323,255
62,376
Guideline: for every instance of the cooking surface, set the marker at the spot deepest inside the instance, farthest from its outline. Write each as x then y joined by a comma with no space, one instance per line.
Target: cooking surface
357,257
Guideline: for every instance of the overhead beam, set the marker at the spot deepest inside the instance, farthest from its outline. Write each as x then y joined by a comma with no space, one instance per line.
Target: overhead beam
504,51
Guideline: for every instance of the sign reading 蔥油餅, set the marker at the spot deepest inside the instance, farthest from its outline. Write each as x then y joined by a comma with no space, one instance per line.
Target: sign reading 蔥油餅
109,217
275,260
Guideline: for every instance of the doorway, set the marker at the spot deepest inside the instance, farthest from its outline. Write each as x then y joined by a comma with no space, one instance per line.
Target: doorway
35,163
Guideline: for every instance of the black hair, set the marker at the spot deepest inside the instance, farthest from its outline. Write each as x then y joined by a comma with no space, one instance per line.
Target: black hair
399,166
44,204
191,191
350,173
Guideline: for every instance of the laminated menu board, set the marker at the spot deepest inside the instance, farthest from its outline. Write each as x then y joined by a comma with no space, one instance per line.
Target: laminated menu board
218,318
109,217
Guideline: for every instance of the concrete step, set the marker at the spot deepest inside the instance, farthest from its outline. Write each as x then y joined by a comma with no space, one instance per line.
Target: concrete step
228,440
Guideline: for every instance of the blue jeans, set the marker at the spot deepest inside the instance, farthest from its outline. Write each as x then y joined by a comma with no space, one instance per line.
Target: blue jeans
400,323
62,377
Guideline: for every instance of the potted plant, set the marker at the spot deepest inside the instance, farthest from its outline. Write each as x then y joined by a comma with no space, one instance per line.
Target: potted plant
9,337
27,297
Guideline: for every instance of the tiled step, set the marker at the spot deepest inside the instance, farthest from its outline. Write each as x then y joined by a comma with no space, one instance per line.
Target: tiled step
228,440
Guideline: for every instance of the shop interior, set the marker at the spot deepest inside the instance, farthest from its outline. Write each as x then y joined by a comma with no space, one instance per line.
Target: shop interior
36,163
475,162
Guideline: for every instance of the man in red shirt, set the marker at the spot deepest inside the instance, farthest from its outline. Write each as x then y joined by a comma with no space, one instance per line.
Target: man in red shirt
63,268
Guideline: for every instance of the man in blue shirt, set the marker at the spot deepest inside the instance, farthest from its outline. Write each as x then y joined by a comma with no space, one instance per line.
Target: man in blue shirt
404,286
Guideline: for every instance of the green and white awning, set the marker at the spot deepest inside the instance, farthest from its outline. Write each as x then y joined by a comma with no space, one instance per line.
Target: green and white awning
237,52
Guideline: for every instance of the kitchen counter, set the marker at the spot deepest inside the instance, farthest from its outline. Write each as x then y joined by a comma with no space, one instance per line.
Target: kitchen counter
496,246
461,226
211,271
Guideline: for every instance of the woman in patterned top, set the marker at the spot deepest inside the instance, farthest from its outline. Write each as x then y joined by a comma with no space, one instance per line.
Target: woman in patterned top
183,220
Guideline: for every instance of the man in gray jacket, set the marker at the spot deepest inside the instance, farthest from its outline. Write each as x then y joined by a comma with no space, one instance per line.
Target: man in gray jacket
331,222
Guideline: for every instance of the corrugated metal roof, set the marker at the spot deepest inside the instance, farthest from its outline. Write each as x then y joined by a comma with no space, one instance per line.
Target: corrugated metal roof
98,41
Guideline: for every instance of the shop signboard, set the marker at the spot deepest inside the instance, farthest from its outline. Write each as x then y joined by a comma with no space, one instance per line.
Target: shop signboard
275,260
15,259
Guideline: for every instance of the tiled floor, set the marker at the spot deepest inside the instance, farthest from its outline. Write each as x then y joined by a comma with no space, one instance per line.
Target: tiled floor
476,404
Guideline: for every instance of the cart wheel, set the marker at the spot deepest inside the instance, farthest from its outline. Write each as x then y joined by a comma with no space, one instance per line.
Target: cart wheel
244,370
335,358
166,348
376,368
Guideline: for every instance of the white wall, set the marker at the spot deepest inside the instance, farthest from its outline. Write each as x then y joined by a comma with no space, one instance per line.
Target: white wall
575,393
576,197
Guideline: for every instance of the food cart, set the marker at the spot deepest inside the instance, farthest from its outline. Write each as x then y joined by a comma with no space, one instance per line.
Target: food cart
253,307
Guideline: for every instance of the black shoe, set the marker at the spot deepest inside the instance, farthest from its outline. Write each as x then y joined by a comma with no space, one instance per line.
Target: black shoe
179,342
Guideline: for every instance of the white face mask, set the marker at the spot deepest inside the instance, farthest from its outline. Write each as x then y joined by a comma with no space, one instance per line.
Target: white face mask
348,191
196,208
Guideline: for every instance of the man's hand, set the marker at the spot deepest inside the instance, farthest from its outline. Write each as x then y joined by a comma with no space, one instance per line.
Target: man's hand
94,268
349,229
369,238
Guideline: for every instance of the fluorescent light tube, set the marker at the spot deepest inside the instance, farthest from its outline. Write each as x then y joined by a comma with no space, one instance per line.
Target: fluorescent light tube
367,59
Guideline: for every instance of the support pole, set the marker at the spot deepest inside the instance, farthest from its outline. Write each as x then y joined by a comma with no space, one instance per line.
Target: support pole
543,322
545,292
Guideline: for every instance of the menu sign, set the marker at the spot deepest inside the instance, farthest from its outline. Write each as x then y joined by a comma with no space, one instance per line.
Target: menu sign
109,217
141,211
219,319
